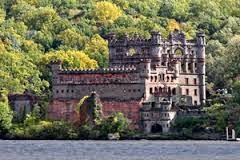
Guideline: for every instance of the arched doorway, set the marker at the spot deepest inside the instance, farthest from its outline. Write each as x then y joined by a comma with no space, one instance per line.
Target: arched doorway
156,128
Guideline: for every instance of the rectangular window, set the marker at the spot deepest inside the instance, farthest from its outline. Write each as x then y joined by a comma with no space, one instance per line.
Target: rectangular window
155,78
183,67
195,92
187,91
189,66
195,81
186,80
151,91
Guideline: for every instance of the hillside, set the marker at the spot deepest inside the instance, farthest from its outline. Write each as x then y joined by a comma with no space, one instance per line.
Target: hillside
33,32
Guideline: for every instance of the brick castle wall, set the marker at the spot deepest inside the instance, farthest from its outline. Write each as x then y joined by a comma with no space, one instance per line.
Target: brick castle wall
67,110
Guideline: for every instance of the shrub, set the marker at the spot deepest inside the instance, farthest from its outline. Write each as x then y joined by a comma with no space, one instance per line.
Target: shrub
188,124
44,130
116,123
5,115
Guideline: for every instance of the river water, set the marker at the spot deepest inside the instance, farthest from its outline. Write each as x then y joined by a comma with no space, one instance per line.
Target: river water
119,150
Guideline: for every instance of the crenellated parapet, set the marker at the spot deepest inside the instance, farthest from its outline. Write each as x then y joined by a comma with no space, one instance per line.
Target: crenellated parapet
127,41
156,39
98,71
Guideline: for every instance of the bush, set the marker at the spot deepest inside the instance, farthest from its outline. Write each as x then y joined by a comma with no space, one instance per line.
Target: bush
116,123
44,130
5,115
188,125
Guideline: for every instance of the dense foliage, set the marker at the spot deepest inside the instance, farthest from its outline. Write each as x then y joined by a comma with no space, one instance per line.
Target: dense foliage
34,32
5,115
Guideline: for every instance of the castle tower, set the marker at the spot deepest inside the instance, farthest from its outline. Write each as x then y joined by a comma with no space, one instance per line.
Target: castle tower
145,68
56,66
201,65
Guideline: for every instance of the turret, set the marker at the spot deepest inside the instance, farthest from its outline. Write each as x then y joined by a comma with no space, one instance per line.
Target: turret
155,38
176,68
56,67
200,40
144,68
111,37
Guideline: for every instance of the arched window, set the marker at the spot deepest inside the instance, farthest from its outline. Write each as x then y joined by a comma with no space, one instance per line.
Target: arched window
167,79
155,78
160,89
155,89
151,78
169,90
151,91
183,66
190,66
174,91
131,52
178,52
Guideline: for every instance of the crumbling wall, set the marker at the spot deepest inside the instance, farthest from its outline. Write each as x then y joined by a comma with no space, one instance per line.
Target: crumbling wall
63,110
58,110
130,109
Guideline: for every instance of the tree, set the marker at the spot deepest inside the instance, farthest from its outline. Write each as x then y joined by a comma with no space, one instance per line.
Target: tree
2,16
71,59
116,123
173,25
107,12
97,49
175,9
5,114
18,73
71,39
233,57
236,91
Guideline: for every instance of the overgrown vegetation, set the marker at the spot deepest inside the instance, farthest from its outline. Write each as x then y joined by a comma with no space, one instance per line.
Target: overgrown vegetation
34,32
223,111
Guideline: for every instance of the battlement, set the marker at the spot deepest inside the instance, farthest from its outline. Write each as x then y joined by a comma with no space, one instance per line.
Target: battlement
99,71
156,39
126,41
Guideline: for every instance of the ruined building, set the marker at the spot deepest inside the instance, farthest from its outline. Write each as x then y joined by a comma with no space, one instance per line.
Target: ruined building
147,80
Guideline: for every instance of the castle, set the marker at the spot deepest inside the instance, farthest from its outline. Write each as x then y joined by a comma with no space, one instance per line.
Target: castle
147,80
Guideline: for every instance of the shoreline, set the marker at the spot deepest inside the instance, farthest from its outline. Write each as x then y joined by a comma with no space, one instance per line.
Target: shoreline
137,138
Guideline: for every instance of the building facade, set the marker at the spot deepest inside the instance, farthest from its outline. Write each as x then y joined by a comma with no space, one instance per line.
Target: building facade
147,80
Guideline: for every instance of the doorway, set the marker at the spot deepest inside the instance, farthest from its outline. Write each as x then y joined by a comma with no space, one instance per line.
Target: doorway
156,128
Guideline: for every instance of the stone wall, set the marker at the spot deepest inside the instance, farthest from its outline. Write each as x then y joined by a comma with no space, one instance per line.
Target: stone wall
130,109
60,109
67,110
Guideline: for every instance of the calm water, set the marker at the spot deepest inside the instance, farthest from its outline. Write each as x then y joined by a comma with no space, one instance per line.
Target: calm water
119,150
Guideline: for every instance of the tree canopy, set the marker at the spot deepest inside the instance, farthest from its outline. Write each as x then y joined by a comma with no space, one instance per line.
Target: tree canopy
32,32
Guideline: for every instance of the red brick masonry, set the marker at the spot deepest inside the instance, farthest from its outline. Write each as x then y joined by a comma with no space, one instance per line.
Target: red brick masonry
58,110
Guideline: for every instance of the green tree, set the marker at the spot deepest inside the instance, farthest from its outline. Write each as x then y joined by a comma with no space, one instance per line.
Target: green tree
71,59
71,39
116,123
18,74
107,12
97,49
236,91
5,114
